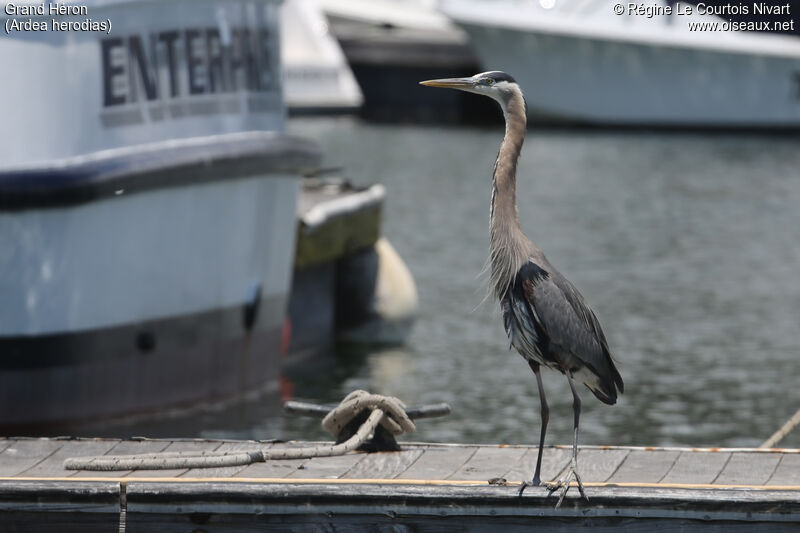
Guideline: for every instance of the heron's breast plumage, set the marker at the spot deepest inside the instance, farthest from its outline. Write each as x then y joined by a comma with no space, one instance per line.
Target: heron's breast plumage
523,326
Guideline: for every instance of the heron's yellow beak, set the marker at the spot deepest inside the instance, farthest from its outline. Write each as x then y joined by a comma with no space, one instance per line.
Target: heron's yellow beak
450,83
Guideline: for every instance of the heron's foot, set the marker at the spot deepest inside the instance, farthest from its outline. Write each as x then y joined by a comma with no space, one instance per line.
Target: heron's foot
535,482
563,484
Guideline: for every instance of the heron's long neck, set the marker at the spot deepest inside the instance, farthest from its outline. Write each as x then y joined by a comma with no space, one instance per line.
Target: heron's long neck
509,246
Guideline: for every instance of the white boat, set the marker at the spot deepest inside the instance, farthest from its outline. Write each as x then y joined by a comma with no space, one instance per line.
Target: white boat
316,73
147,208
391,45
403,14
580,62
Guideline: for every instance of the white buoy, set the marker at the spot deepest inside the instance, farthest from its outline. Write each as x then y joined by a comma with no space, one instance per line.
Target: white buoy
395,302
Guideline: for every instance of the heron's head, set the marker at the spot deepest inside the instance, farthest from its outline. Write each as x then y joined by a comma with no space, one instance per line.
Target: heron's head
494,84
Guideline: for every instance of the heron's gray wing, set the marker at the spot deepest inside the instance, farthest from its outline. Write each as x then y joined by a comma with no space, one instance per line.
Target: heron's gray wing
586,316
572,328
568,329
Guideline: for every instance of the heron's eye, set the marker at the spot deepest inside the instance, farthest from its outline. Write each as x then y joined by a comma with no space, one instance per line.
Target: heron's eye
489,81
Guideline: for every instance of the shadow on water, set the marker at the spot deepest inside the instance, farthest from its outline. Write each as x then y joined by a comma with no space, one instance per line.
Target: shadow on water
257,415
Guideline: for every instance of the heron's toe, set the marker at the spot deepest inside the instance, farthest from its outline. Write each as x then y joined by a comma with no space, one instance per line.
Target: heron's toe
563,485
535,482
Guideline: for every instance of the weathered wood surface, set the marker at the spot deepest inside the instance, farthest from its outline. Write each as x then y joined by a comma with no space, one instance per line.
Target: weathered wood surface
426,487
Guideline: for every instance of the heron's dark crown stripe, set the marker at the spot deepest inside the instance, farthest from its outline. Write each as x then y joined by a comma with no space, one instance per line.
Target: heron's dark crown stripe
499,75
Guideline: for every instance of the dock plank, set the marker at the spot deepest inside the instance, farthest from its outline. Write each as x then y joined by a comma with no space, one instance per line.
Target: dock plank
384,465
425,488
489,462
644,466
282,468
748,468
787,472
276,468
364,507
438,462
23,454
697,467
4,443
328,467
63,507
53,466
553,462
597,465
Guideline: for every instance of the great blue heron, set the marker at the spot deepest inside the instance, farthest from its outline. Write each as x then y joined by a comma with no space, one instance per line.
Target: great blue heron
545,317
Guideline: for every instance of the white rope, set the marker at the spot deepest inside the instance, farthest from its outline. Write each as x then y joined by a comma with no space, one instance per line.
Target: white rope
782,432
396,423
387,411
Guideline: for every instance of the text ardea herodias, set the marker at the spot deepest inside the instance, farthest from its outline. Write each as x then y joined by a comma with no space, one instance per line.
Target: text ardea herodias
545,317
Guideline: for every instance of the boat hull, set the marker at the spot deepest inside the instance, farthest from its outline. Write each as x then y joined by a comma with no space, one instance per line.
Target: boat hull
586,75
151,278
64,380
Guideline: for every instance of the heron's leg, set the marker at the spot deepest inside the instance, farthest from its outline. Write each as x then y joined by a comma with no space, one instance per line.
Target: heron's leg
576,411
572,472
545,418
537,480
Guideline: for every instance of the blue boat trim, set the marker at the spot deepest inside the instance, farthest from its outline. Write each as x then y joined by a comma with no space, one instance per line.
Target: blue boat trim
176,163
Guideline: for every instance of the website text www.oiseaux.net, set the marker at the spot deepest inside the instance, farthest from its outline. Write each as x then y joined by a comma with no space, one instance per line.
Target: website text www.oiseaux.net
732,9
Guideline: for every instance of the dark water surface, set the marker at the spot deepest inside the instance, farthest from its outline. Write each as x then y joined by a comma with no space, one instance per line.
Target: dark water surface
687,246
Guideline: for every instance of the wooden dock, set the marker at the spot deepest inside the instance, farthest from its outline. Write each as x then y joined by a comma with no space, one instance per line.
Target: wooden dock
425,487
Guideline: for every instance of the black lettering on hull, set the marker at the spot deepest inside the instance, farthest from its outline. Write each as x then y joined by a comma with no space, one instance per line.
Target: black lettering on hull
174,64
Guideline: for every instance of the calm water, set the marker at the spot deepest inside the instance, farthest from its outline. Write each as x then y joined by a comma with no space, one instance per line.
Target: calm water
687,246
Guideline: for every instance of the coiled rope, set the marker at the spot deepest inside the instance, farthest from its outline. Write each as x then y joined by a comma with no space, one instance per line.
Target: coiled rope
386,411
